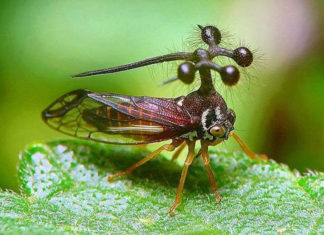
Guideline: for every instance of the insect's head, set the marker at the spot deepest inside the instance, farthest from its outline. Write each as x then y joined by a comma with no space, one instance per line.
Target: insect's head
217,123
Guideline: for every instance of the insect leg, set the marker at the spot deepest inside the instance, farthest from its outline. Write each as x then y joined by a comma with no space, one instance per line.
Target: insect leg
179,150
142,145
168,147
246,149
206,160
190,157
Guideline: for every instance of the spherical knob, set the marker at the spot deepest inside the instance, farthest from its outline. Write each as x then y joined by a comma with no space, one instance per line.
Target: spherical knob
243,56
186,72
230,75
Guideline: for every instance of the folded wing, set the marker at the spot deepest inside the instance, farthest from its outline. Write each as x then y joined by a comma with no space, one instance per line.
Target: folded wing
112,118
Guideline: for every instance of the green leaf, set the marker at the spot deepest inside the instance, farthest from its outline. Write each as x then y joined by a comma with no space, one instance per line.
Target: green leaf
64,188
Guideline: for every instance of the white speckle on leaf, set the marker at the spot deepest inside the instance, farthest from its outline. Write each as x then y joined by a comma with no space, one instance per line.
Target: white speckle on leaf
37,157
146,221
61,148
66,159
281,230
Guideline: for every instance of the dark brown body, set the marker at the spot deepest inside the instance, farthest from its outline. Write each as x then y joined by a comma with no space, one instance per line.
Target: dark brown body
113,118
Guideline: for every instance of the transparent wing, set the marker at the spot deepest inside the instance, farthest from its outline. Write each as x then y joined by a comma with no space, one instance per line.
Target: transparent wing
112,118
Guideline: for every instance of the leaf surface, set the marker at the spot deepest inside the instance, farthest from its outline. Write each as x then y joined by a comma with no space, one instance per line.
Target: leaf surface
64,188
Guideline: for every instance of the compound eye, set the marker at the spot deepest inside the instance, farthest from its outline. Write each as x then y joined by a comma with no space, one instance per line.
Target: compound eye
186,72
243,56
230,75
217,131
210,35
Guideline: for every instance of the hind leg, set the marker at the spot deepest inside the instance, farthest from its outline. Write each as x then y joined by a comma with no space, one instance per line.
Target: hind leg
179,151
167,147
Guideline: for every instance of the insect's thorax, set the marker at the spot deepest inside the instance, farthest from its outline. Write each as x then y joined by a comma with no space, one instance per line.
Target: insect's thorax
207,111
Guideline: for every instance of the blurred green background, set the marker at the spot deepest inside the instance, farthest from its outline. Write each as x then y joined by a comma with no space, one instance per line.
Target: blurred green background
279,102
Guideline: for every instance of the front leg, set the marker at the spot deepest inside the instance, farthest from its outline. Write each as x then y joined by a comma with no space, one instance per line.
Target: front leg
206,160
190,157
246,149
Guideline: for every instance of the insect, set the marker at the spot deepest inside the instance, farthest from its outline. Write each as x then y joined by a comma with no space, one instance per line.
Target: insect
201,116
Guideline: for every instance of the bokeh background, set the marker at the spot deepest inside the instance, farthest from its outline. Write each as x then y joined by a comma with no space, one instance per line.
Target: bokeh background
279,102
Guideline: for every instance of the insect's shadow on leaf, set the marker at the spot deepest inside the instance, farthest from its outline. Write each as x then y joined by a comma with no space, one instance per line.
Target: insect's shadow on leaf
167,173
160,170
113,159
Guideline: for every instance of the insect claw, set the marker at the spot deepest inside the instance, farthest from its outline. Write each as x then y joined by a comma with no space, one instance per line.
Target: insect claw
218,197
111,177
168,81
175,204
262,156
